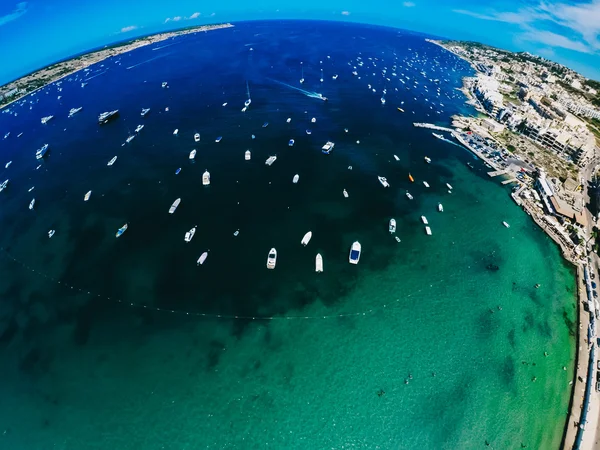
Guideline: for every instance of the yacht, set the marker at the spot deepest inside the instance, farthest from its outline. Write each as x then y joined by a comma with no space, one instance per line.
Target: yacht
383,181
355,253
164,84
392,226
426,184
87,195
270,160
272,259
106,116
506,224
112,161
424,220
202,258
206,178
7,165
428,231
47,119
144,112
247,155
178,171
396,158
174,206
121,230
139,128
51,233
192,154
448,186
217,140
319,263
39,154
306,238
328,147
295,179
291,142
197,137
129,139
32,204
428,160
410,197
345,192
4,184
74,111
440,207
176,132
190,234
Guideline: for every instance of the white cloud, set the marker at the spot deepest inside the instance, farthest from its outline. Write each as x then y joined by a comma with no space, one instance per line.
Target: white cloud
408,4
129,28
345,13
555,40
176,19
20,9
194,16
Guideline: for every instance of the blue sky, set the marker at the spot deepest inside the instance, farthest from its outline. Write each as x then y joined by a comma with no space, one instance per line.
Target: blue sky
38,32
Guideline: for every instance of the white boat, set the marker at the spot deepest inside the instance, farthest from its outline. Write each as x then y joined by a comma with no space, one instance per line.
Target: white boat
51,233
121,230
440,207
107,115
308,132
397,239
31,204
289,119
192,154
176,132
4,184
506,224
249,101
448,186
439,136
306,238
302,78
31,188
313,120
112,161
236,233
144,112
202,258
7,165
129,139
328,147
392,226
345,192
174,206
383,181
190,234
291,142
74,111
410,197
164,84
86,197
39,154
139,128
270,160
296,178
46,119
355,251
426,184
217,140
206,178
382,100
428,160
396,158
424,220
335,77
272,259
197,137
428,230
319,263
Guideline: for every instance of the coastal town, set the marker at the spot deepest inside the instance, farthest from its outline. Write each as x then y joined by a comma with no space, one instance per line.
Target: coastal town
538,130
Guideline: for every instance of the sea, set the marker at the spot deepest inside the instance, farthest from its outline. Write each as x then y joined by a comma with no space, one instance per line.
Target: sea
438,341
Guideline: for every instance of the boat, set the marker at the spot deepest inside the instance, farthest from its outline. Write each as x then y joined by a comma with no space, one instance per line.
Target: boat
176,132
87,196
51,233
289,119
177,171
470,166
74,111
217,140
121,230
322,97
7,135
206,178
247,155
428,160
439,136
32,204
7,165
112,161
295,179
392,226
506,224
247,102
306,238
197,137
174,206
190,234
396,158
236,233
164,84
355,253
302,78
270,160
308,132
319,263
4,184
18,135
139,128
397,239
192,154
410,177
448,186
335,77
272,259
30,189
382,100
345,192
428,231
424,220
400,109
291,142
265,125
39,154
47,119
383,181
106,116
410,197
426,184
313,120
202,258
328,147
129,139
144,112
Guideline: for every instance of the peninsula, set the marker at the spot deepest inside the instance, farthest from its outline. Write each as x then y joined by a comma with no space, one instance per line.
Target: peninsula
17,89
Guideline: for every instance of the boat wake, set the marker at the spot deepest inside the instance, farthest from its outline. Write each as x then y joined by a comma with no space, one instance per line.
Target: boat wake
96,75
148,60
311,94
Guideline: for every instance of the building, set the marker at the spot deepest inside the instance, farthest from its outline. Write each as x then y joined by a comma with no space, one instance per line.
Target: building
492,126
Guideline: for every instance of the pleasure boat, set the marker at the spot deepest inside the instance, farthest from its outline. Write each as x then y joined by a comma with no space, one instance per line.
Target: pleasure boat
247,155
7,165
392,226
112,161
164,84
440,207
32,204
328,147
396,158
291,142
202,258
306,238
439,136
197,137
51,233
322,97
383,181
236,233
313,120
295,179
139,128
448,186
7,135
335,77
247,102
174,206
87,195
121,230
428,231
270,160
506,224
47,119
106,116
31,189
217,140
426,184
410,197
345,192
144,112
382,100
178,171
308,132
289,119
355,253
272,259
400,109
302,78
190,234
39,154
424,220
410,177
428,160
206,178
192,154
319,263
265,125
129,139
176,132
4,184
74,111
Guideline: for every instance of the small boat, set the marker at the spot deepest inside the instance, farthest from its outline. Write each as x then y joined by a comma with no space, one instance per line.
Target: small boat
177,171
428,160
426,184
506,224
355,251
19,135
448,186
112,161
197,137
328,147
164,84
289,119
334,77
225,104
272,259
308,132
139,128
396,158
74,111
7,165
295,179
107,115
39,154
176,132
410,177
439,136
319,263
192,154
291,142
31,188
345,192
121,230
46,119
236,233
7,135
400,109
306,238
247,155
313,120
428,231
253,137
51,233
397,239
31,204
206,178
174,206
392,226
410,197
470,166
382,100
270,160
345,130
383,181
202,258
129,139
87,196
190,234
265,125
145,111
424,220
4,184
217,140
440,207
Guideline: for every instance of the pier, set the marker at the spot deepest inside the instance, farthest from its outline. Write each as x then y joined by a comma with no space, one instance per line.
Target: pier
512,180
498,172
432,127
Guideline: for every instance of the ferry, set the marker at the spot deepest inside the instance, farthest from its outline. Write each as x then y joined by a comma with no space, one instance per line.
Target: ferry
164,84
410,197
295,179
440,207
272,259
424,220
139,128
319,263
392,226
328,147
410,177
112,161
448,186
121,230
39,154
51,233
174,206
32,204
4,184
74,111
144,112
197,137
176,132
217,140
47,119
506,224
396,158
206,178
345,192
400,109
106,116
202,258
270,160
247,155
426,184
428,160
383,181
190,234
355,251
291,142
192,154
87,195
7,165
428,231
306,238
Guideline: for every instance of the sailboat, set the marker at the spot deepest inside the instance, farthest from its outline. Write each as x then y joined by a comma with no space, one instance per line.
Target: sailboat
302,79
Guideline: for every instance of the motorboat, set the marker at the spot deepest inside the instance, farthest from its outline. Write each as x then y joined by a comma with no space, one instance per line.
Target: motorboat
7,165
145,112
112,161
129,139
383,181
506,224
31,189
4,184
295,179
174,206
334,77
217,140
265,125
206,178
197,137
202,258
400,109
247,155
236,233
164,84
192,154
74,111
428,231
424,220
308,132
408,194
270,160
190,234
176,132
410,177
272,259
121,230
426,184
291,142
440,207
178,171
32,204
345,192
397,239
289,119
396,158
51,233
306,238
139,128
87,196
428,160
39,154
106,116
449,186
355,251
392,226
47,119
313,120
328,147
319,263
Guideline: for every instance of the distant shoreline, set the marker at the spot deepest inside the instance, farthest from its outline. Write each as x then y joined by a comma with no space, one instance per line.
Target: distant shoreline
41,78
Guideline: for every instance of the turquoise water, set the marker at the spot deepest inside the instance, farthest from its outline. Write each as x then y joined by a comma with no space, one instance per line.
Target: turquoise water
93,359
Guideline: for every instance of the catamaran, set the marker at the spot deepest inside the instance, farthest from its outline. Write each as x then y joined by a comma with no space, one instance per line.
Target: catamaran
112,161
39,154
144,112
383,181
174,206
202,258
392,226
355,251
270,160
319,263
121,230
306,238
295,179
190,234
206,178
86,197
192,154
272,259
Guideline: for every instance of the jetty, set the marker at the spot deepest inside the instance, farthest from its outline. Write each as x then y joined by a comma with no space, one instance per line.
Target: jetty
432,127
497,173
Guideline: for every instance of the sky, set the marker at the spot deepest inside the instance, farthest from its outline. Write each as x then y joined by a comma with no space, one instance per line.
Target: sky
36,33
